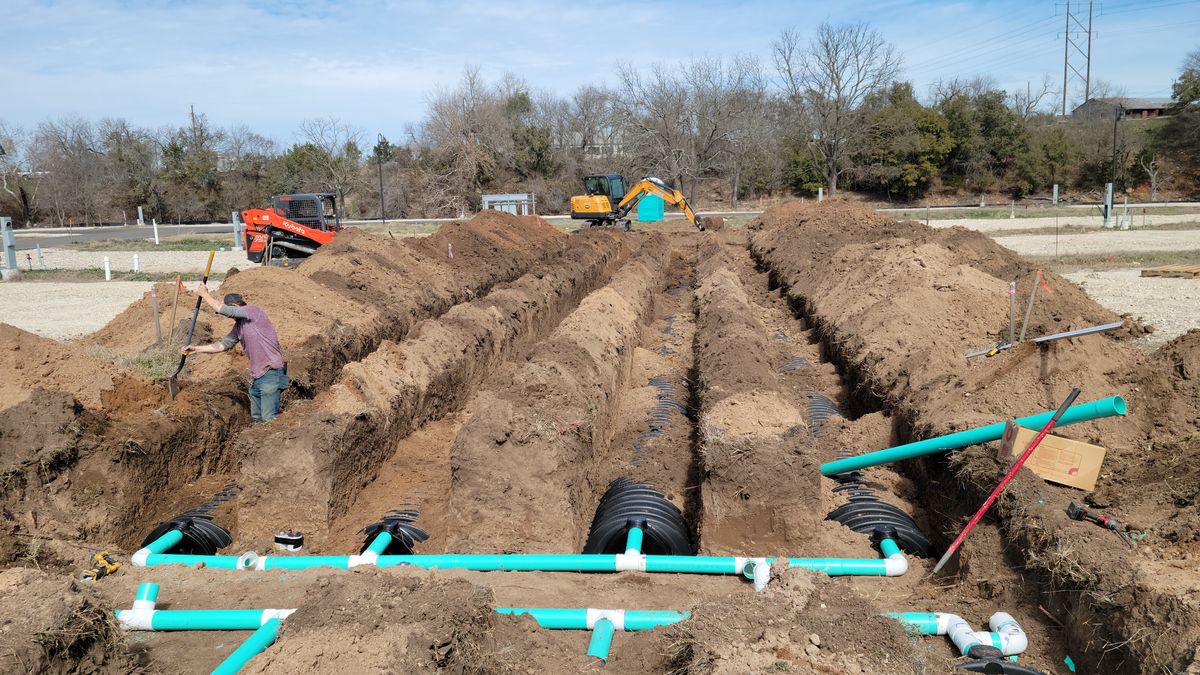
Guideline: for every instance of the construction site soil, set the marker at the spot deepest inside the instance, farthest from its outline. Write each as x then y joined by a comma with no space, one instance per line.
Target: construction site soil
499,375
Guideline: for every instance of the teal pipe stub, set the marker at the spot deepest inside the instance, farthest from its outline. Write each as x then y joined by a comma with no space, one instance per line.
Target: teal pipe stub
254,645
147,592
380,543
165,542
633,541
601,642
1082,412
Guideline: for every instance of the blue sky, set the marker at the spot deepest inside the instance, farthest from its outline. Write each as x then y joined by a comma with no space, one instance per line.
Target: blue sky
271,64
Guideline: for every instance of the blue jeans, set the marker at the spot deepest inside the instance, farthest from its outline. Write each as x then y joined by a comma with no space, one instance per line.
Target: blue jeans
264,394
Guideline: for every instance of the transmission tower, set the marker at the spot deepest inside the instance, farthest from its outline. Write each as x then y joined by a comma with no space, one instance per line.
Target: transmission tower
1074,33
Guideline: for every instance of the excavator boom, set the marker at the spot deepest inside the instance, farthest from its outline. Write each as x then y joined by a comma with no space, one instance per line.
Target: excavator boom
654,186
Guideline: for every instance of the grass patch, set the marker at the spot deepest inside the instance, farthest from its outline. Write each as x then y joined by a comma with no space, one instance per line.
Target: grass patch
89,274
177,243
1117,259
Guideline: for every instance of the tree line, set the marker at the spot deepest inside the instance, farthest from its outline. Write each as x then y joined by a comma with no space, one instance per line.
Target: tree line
831,111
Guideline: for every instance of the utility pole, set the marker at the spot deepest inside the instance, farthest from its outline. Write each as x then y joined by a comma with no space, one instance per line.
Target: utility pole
379,161
1073,27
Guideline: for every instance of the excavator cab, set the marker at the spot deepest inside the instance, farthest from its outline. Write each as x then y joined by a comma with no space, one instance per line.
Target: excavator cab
611,185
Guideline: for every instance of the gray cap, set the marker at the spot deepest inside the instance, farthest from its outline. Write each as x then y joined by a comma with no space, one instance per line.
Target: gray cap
234,299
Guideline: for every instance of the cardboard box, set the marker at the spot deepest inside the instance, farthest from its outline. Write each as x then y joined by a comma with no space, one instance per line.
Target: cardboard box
1059,460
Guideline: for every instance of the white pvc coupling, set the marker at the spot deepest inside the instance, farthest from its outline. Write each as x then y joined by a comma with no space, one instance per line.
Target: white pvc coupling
761,574
1005,631
139,557
616,616
630,562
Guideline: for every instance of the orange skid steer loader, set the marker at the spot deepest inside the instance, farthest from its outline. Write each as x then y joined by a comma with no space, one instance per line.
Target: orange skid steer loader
292,229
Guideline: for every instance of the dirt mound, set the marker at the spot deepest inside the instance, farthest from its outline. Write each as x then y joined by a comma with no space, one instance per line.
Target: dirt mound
132,331
898,312
54,625
479,239
373,621
32,362
802,623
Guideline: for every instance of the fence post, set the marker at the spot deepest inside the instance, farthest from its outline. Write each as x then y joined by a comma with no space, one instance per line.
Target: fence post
154,306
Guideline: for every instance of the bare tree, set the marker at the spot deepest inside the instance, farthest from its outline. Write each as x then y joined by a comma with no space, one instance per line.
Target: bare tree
67,155
657,121
1149,163
340,156
841,66
1027,104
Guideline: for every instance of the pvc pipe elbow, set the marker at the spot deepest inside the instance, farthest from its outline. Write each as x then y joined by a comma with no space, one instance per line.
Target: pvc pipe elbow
251,561
136,619
140,557
1013,640
959,631
366,558
761,574
895,565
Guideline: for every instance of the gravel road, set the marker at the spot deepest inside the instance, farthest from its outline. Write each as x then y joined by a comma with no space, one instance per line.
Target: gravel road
1105,241
1172,306
1093,220
148,261
66,310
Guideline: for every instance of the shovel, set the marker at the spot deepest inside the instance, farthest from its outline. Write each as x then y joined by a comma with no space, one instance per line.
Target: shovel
173,383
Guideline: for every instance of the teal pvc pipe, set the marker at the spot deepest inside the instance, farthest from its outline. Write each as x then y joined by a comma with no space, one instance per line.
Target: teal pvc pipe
204,619
842,567
254,645
676,564
601,642
888,548
380,543
633,541
576,619
165,542
288,562
147,591
682,564
510,562
925,623
1082,412
220,562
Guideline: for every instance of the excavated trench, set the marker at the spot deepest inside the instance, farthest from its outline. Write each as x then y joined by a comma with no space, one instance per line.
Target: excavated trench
686,364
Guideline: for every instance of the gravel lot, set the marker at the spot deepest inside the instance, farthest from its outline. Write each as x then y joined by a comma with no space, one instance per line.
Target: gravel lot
1091,220
1103,242
148,261
66,310
1172,306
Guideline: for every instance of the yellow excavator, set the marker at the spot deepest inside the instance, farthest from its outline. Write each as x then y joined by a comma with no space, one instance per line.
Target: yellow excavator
608,201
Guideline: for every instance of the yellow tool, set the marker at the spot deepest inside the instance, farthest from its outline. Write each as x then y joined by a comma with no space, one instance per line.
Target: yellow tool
102,566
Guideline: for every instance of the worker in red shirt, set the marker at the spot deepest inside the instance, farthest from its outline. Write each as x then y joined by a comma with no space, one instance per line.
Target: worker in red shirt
251,327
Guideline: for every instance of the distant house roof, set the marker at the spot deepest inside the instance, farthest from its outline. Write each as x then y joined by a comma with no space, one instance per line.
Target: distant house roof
1135,103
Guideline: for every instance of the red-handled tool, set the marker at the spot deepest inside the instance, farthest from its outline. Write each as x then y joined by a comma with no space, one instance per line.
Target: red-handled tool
1007,477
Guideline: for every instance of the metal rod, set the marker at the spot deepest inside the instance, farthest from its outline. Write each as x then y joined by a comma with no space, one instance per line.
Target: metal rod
1012,312
1051,338
1037,278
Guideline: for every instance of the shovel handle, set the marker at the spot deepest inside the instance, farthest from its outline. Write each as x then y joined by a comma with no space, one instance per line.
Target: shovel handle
195,314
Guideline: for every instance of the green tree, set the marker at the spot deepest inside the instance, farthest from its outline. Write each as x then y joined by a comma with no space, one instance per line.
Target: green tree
1179,139
907,144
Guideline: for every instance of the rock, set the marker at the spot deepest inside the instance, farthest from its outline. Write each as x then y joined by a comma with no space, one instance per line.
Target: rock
812,650
815,639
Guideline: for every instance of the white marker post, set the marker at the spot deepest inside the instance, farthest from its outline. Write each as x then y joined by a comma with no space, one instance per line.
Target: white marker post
155,221
107,270
141,220
136,267
237,240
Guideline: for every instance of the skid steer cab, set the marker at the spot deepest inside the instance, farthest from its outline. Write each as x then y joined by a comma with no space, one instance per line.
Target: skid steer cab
292,229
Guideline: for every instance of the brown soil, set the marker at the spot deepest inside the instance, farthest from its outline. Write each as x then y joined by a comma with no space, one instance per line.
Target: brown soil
518,462
499,389
51,624
321,452
898,305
